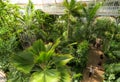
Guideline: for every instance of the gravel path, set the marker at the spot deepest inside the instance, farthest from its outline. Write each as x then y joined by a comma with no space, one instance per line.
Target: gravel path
2,76
93,59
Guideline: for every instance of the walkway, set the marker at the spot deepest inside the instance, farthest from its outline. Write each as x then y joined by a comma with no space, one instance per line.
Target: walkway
93,59
2,76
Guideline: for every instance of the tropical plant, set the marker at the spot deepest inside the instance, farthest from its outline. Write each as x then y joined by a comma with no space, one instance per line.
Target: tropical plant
34,24
105,28
112,73
40,18
7,48
16,76
80,53
90,14
80,58
73,9
112,65
8,27
43,63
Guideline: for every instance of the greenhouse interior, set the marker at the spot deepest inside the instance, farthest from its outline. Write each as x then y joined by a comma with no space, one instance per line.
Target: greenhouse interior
59,40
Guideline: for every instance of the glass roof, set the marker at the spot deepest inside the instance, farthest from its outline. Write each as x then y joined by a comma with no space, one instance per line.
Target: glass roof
53,7
48,6
42,1
36,1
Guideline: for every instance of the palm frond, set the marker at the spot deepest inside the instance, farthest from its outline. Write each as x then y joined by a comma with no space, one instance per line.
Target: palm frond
72,4
46,76
90,13
37,47
23,61
94,10
66,4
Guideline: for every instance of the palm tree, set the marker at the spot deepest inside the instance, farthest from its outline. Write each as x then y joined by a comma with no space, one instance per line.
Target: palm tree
43,62
75,9
90,14
72,9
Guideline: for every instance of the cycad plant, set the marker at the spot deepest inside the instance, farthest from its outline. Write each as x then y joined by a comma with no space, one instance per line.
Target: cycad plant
43,63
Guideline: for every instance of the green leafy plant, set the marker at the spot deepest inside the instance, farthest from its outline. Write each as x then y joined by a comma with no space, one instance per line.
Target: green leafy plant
112,67
73,9
45,64
80,53
90,14
112,72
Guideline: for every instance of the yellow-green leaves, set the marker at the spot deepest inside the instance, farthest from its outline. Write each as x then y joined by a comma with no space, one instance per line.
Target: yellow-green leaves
37,47
47,61
46,76
61,60
23,61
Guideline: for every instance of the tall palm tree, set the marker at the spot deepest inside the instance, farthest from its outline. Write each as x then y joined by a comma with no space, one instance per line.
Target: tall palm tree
90,14
72,9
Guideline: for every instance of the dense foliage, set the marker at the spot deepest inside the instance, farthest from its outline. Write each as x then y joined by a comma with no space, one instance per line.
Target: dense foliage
39,47
108,29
